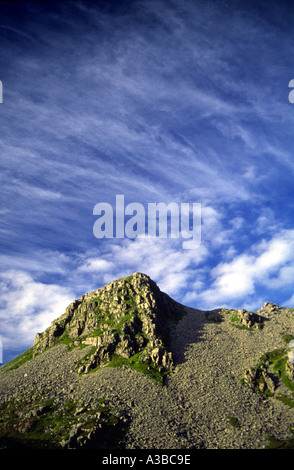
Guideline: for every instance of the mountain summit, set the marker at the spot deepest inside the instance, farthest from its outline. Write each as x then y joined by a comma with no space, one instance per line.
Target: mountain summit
128,318
127,367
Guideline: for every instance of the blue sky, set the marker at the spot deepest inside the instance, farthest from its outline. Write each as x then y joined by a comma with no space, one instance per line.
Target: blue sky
159,101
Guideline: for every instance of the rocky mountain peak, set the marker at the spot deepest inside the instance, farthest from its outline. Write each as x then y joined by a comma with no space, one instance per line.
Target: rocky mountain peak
88,380
127,318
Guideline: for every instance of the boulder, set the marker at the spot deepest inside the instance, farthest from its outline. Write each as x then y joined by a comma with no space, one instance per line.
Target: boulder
249,319
290,370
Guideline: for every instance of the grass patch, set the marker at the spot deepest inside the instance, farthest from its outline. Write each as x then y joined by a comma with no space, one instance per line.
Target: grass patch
289,384
277,360
20,360
257,322
97,332
32,435
234,422
234,319
65,339
125,319
286,400
287,337
21,428
274,443
274,357
68,342
136,363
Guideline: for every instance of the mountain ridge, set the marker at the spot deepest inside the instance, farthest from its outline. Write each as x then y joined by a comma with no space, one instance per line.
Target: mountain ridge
127,366
123,318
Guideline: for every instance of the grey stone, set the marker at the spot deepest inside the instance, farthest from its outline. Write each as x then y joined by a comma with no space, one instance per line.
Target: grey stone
290,370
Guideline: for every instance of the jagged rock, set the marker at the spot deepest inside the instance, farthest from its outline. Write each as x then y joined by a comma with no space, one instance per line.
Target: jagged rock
126,347
290,370
124,317
291,356
251,377
270,384
249,319
259,378
269,309
127,323
271,306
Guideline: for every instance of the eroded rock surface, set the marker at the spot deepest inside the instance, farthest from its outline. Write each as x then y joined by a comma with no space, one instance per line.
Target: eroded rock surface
124,318
227,376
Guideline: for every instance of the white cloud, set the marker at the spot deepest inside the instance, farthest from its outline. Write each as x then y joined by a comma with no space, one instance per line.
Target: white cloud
96,265
289,302
163,260
28,307
269,264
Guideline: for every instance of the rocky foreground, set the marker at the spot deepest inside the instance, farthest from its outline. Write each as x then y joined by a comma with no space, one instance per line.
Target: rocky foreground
127,367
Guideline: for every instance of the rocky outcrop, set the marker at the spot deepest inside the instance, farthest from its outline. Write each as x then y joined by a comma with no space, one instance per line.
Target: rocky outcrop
249,319
273,371
290,362
125,318
260,379
51,396
290,370
71,425
269,309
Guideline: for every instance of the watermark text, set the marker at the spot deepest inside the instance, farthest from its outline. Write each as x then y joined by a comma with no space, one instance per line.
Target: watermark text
160,221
